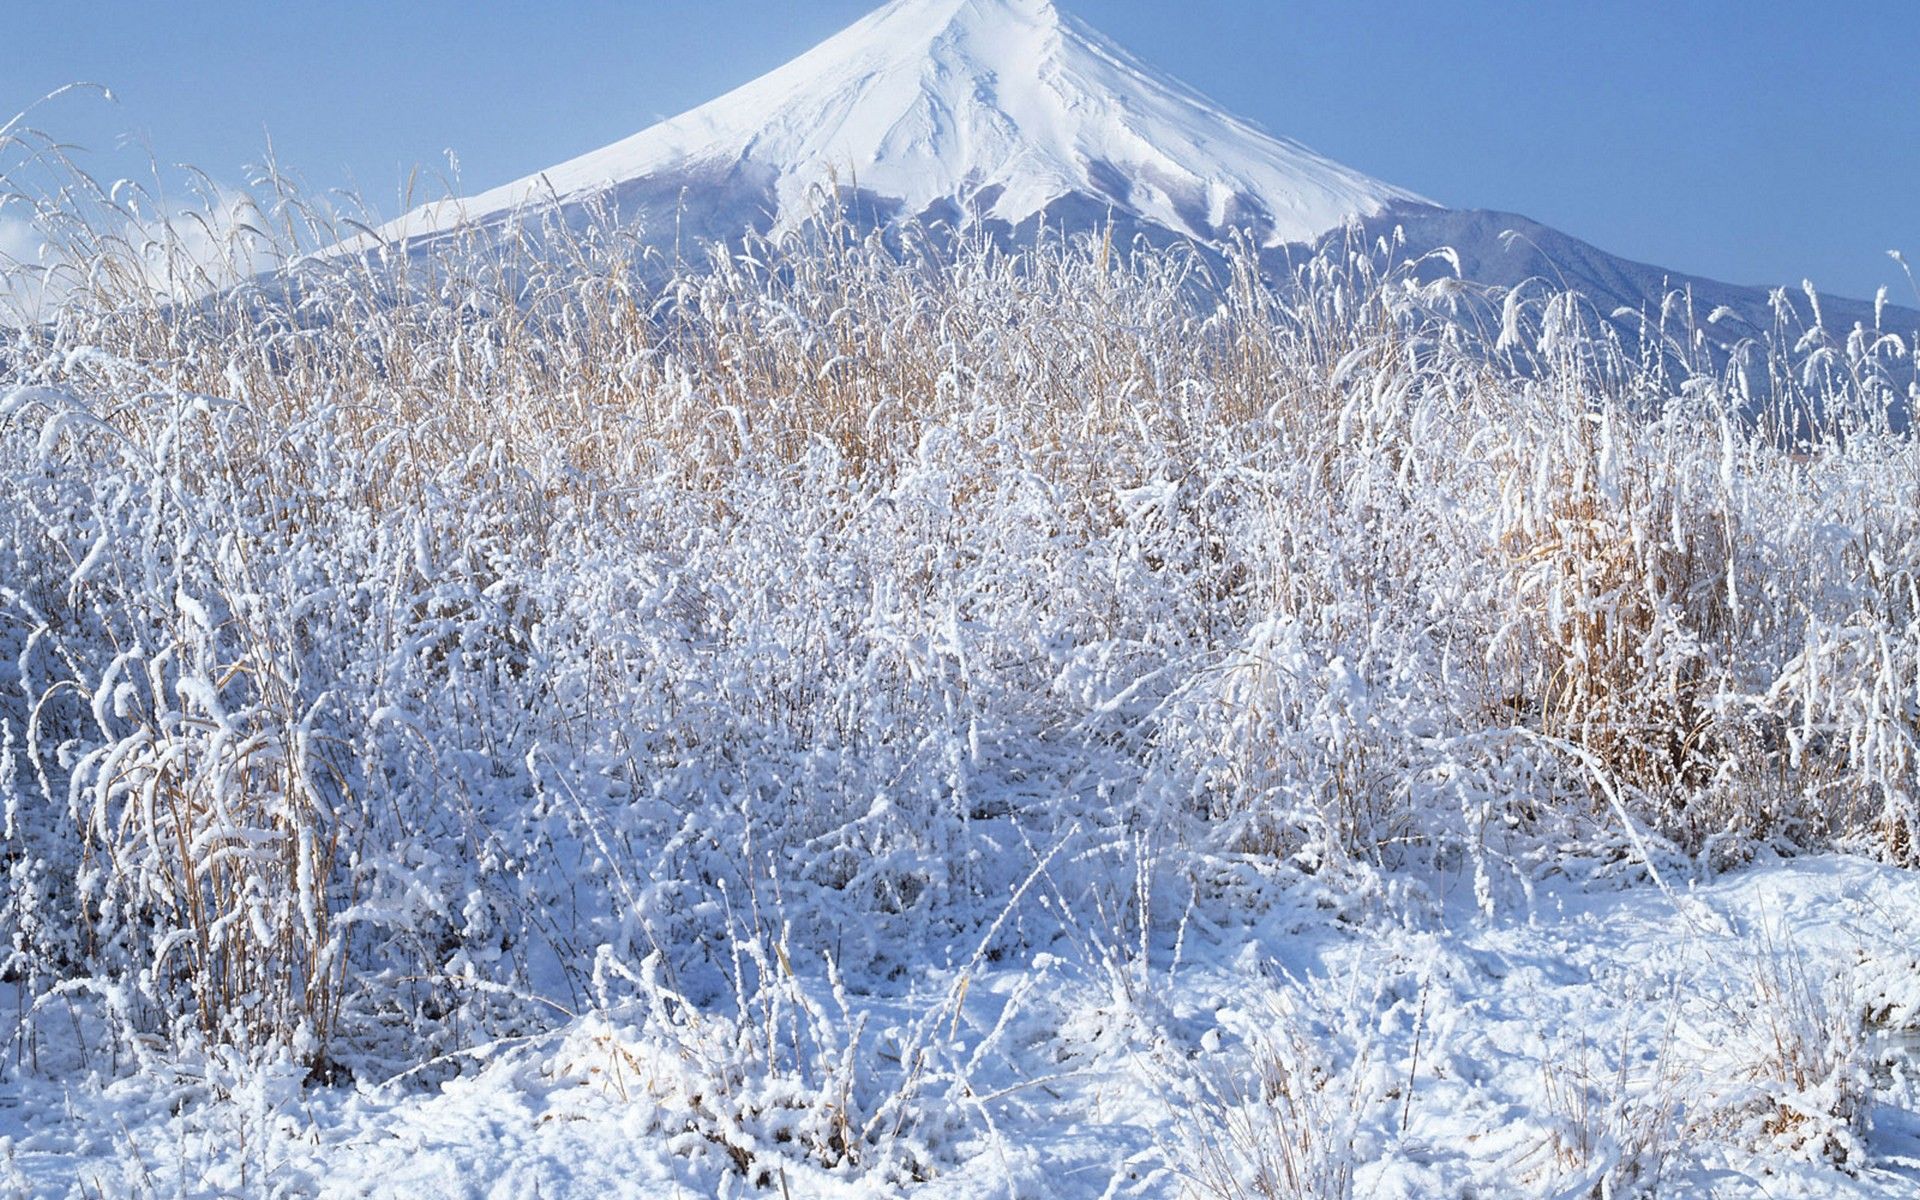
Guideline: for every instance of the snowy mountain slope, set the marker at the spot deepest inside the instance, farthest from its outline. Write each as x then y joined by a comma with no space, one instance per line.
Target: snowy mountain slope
1004,109
1009,113
1505,250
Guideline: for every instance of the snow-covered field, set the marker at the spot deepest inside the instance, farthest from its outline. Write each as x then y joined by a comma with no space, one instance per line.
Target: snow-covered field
904,719
1752,1036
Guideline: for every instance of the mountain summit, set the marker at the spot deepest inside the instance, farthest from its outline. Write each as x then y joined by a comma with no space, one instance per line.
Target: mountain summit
1001,110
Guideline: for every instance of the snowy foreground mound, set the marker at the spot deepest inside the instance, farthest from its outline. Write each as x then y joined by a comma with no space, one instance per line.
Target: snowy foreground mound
899,718
1757,1036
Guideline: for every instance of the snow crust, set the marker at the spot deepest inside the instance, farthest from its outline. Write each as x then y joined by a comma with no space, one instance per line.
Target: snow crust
1001,107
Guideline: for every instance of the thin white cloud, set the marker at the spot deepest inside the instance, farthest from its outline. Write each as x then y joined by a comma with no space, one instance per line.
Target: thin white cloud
188,252
20,282
180,253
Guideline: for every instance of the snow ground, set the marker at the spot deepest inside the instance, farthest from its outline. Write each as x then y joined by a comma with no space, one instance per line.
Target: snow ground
1591,1031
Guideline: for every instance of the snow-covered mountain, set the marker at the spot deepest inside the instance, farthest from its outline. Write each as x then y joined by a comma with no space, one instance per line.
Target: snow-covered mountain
1501,250
999,110
1008,112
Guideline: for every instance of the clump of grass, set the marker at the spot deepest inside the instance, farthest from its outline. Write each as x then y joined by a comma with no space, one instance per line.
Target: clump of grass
1613,1130
1292,1122
1798,1058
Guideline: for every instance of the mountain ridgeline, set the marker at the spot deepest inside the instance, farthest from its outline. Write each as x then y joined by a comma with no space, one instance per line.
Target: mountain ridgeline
1009,116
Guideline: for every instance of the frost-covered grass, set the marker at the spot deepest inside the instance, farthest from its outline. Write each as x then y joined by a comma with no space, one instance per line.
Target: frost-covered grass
723,675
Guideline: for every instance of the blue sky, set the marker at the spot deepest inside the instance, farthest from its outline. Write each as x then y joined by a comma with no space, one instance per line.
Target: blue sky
1759,141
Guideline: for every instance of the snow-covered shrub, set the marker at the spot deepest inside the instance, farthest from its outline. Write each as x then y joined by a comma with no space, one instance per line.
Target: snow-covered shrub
1849,699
